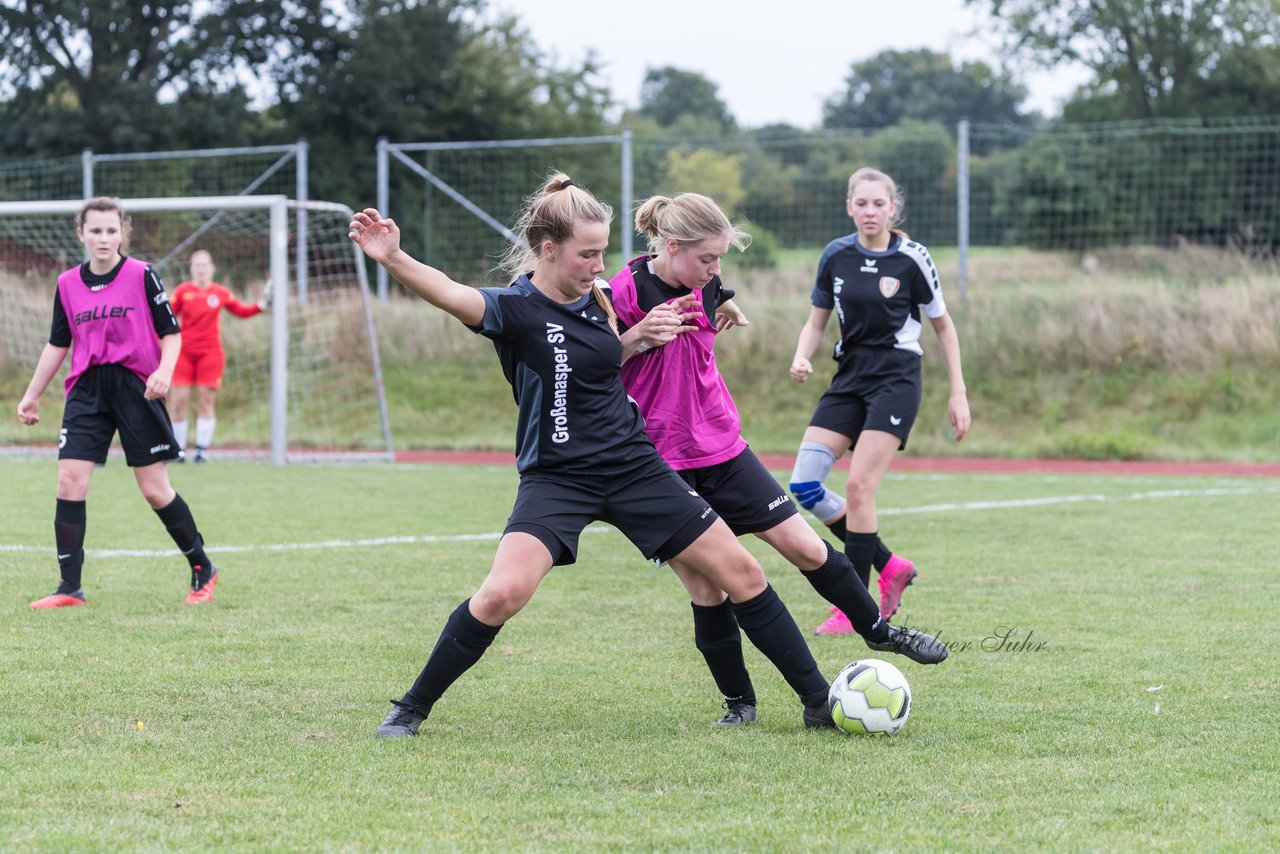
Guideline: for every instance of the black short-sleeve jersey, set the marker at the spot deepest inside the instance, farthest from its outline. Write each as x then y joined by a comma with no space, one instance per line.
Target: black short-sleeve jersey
878,296
651,290
562,362
162,316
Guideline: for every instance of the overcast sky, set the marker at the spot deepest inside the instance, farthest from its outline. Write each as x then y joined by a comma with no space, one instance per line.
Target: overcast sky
772,61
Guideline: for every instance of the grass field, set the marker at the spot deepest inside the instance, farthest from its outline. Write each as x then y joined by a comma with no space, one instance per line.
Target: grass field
1133,705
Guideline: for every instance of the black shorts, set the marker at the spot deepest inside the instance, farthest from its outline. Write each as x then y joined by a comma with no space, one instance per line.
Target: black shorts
743,492
645,500
875,388
111,398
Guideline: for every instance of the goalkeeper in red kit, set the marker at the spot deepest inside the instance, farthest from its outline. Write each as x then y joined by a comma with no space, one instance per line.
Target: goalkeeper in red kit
198,303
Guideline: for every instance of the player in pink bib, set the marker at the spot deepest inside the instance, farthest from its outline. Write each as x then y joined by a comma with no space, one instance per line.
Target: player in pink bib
673,304
112,314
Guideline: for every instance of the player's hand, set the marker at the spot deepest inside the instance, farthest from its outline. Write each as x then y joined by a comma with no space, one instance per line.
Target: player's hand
800,370
958,412
377,236
29,410
264,301
686,309
729,315
158,384
667,320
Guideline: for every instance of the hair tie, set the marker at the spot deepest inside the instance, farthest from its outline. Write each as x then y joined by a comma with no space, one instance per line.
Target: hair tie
568,182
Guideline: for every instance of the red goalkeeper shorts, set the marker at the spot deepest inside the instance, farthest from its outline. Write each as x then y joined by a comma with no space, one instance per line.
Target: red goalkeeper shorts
200,368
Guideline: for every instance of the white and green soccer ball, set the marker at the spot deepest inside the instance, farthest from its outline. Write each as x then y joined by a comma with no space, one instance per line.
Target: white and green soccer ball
870,696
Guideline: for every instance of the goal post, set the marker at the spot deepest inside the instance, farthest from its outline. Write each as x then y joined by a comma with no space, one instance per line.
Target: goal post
311,388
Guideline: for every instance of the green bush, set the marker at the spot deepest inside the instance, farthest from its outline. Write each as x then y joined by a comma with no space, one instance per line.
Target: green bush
762,254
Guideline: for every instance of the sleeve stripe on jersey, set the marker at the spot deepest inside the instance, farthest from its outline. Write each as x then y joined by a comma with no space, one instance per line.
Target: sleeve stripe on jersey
160,301
917,253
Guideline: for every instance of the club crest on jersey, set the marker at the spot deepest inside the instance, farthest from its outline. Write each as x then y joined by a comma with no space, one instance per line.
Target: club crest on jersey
213,301
889,286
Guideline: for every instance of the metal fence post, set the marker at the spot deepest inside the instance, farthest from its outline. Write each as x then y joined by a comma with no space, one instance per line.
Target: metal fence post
628,228
962,207
383,195
86,180
86,172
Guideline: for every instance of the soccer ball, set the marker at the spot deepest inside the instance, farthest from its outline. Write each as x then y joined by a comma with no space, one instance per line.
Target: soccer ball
870,696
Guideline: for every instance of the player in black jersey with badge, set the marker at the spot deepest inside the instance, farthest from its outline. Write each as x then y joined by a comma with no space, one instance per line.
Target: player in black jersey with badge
878,282
581,449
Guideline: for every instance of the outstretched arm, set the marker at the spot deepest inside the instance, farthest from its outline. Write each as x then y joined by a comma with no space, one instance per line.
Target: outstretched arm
244,309
728,315
958,404
379,237
810,337
50,360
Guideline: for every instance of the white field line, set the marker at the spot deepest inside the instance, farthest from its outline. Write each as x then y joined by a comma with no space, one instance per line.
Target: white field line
1078,499
598,528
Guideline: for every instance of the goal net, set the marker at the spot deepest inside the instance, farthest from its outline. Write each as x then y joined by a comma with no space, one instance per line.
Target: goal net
302,380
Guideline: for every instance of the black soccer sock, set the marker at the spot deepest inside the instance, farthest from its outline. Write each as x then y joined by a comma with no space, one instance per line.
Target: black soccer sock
461,644
771,629
837,528
68,533
882,555
861,549
836,582
180,524
715,633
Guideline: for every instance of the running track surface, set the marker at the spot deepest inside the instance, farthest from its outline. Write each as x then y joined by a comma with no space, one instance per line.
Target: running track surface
784,462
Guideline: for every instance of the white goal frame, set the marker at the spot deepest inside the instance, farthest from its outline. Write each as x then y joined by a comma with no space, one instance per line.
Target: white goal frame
279,207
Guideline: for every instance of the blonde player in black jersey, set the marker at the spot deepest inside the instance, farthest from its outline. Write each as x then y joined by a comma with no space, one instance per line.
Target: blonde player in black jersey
581,449
878,281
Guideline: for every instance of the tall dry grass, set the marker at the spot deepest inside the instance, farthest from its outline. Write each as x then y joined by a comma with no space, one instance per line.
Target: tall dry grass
1123,353
1186,310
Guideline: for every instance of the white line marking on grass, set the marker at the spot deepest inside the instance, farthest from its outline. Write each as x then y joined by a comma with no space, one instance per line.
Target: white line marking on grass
599,528
275,547
1074,499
